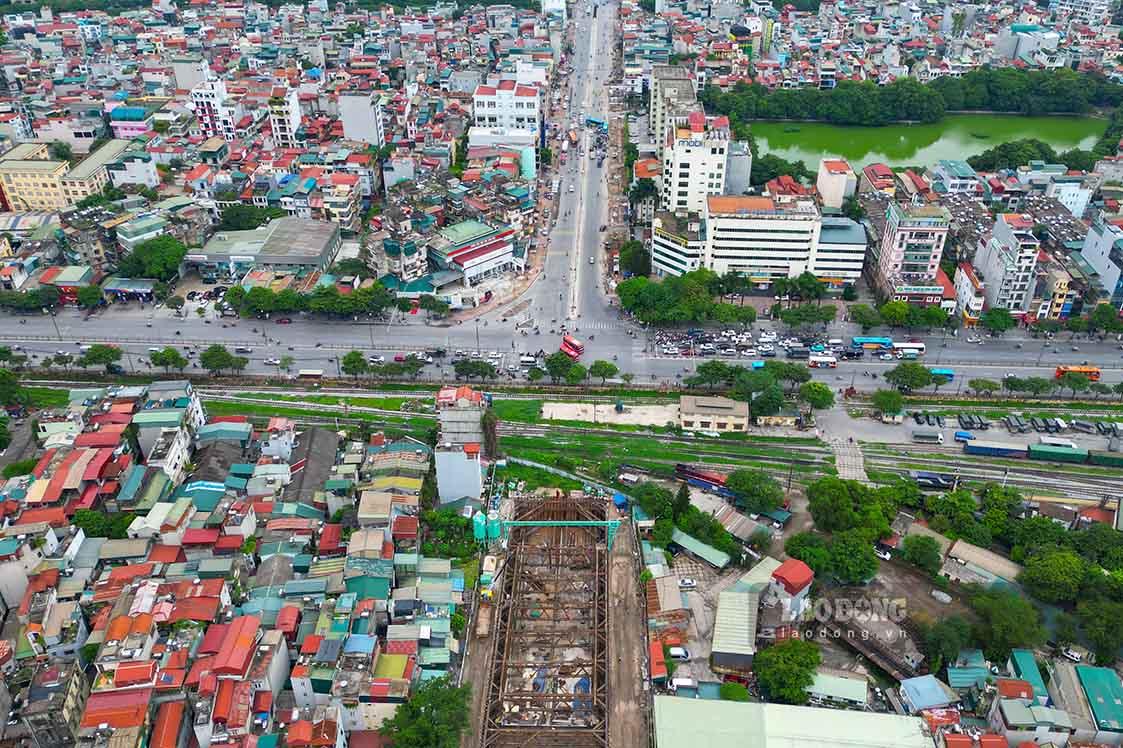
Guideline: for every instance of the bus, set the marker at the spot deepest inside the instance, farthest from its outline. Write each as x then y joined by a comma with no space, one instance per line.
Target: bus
572,347
1092,372
310,374
917,348
947,374
595,122
823,362
871,344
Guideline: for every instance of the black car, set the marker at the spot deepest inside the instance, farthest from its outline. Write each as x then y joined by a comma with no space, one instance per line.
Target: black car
918,417
965,422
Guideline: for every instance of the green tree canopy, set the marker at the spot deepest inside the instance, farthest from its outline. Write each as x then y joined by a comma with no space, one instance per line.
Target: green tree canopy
908,376
433,717
853,560
1005,620
997,320
757,492
603,370
100,354
1054,575
242,217
889,402
157,258
811,549
89,296
922,551
817,395
785,670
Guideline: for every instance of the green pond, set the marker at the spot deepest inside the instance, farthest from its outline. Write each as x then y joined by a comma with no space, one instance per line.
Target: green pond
957,136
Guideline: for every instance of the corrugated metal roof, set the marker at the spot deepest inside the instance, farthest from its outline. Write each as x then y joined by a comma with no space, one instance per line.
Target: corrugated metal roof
705,552
735,622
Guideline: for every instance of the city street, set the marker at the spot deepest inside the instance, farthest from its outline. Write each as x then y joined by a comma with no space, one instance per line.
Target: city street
570,291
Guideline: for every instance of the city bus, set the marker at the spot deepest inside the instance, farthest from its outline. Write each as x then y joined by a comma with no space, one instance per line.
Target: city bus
823,362
1092,372
917,348
310,374
947,374
598,123
871,344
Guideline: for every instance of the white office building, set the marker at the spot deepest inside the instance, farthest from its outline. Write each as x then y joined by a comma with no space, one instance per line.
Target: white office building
677,245
672,93
509,105
1089,11
694,156
1007,263
759,237
839,257
361,113
284,116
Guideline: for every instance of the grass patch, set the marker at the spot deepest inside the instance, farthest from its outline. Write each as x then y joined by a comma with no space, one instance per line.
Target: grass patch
536,477
47,397
471,569
521,411
381,403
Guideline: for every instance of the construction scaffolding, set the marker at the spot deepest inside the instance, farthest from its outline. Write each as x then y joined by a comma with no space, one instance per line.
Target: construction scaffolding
548,683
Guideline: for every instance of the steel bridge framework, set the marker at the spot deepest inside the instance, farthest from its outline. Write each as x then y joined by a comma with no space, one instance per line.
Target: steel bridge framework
549,664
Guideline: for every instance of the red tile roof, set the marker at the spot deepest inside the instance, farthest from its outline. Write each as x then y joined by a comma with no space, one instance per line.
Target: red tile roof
237,646
119,708
165,731
794,575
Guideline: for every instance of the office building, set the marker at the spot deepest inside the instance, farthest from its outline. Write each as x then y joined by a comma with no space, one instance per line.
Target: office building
694,155
672,93
840,256
1089,11
910,249
836,181
1103,250
676,243
508,105
759,237
215,112
32,180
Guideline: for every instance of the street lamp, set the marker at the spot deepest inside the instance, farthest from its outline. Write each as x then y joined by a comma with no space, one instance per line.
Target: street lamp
477,334
53,321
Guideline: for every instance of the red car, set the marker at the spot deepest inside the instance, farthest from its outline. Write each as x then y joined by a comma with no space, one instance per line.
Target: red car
284,321
399,357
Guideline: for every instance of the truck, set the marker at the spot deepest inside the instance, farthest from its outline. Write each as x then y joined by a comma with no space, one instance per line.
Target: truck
799,353
483,620
928,436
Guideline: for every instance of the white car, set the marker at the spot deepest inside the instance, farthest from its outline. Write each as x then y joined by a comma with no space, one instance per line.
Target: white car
375,359
749,352
886,357
1072,654
571,188
766,347
272,362
881,553
686,583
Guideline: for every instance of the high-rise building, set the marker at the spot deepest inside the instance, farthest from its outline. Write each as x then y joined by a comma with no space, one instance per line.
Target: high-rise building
361,112
672,93
1007,262
694,156
1103,250
836,181
215,112
759,237
910,250
1089,11
284,116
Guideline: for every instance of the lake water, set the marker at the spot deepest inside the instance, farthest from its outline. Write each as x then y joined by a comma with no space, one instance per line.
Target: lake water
954,137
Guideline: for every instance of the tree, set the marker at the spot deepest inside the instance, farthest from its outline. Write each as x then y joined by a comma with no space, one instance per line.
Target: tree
888,402
157,258
682,500
558,365
1073,381
811,549
983,386
10,391
1038,386
864,316
1005,620
216,358
997,320
634,259
1065,628
576,374
1099,388
1054,576
894,313
769,401
100,354
1077,325
354,364
837,505
909,376
710,374
1102,621
756,491
817,395
169,358
785,670
61,151
731,691
535,374
945,639
286,363
922,551
603,369
240,217
853,560
235,297
1103,317
89,296
177,302
434,717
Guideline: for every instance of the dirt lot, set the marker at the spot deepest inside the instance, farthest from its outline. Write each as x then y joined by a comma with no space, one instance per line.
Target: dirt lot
628,696
896,579
634,415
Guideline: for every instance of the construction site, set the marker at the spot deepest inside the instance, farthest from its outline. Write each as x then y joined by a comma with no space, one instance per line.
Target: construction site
548,677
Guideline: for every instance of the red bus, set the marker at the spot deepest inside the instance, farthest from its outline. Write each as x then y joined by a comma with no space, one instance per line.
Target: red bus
572,347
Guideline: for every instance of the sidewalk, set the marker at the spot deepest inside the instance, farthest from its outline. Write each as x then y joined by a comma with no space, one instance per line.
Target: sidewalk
849,461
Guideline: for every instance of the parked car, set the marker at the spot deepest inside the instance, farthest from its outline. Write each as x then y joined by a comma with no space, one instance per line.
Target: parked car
686,583
284,320
881,553
272,362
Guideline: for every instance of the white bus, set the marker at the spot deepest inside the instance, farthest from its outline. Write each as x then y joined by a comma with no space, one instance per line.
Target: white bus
822,362
917,348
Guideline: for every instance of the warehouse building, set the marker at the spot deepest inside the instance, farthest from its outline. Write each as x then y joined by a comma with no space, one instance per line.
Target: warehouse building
296,245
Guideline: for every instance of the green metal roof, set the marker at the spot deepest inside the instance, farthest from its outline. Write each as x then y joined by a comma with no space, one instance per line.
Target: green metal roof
707,553
838,688
1105,695
1025,667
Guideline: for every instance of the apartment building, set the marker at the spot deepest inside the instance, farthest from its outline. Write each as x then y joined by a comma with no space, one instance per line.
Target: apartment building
952,177
508,105
911,246
694,156
284,116
215,113
1007,263
836,181
361,113
677,245
840,256
1103,250
970,297
1089,11
134,167
760,237
672,92
31,180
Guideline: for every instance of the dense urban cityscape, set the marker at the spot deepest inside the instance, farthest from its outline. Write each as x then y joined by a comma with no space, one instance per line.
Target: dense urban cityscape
565,373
